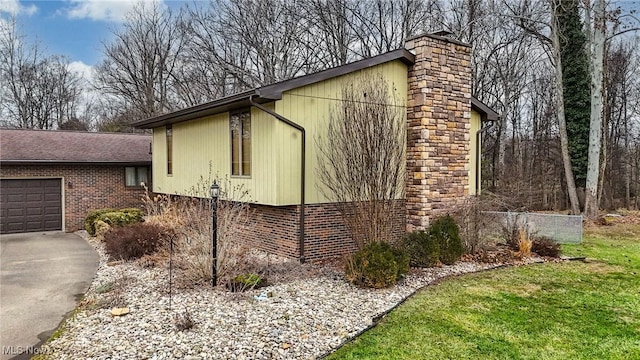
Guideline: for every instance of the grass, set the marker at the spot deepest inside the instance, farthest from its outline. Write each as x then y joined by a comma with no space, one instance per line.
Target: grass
570,310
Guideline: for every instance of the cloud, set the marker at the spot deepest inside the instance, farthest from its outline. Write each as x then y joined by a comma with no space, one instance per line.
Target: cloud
13,7
102,10
83,70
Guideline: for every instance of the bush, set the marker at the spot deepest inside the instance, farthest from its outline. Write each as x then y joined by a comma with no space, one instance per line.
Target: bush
89,221
134,213
423,250
444,231
115,218
246,282
119,218
101,229
377,265
402,259
544,246
133,241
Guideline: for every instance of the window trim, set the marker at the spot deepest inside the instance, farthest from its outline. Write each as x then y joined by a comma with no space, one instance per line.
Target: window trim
241,175
138,181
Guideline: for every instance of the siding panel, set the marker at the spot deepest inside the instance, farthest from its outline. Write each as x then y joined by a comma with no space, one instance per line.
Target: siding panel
473,151
202,153
311,106
275,153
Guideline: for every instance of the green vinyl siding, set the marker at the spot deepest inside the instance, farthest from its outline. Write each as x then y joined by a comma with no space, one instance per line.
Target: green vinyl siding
275,146
198,143
311,106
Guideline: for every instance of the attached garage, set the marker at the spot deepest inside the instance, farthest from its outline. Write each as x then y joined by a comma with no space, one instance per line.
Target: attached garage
50,180
28,205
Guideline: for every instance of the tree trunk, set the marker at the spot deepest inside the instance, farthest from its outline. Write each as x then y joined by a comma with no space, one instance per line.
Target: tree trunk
591,206
562,123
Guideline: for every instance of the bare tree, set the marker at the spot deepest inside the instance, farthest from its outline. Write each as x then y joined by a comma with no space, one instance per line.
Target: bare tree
251,43
383,25
330,21
598,35
36,91
362,159
140,63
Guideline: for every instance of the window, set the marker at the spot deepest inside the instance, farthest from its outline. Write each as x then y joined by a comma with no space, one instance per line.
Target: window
135,176
240,125
169,136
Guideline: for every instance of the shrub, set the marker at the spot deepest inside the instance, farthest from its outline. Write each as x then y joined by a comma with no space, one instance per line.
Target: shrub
377,265
101,228
119,218
115,218
544,246
423,250
402,259
474,218
133,241
89,221
246,282
134,213
444,231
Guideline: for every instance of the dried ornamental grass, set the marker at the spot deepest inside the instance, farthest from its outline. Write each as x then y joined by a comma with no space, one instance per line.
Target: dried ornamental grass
524,245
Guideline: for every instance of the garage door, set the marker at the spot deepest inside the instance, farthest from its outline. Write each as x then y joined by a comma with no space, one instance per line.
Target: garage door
28,205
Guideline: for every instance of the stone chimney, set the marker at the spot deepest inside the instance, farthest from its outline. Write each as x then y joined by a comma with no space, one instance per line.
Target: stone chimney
438,115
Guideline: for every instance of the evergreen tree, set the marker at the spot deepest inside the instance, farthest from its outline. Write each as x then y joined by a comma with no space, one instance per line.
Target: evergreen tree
576,83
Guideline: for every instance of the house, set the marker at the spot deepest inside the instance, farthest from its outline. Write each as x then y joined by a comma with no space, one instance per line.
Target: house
257,138
50,180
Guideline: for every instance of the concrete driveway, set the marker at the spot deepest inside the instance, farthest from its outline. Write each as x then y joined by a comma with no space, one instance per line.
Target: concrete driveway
42,275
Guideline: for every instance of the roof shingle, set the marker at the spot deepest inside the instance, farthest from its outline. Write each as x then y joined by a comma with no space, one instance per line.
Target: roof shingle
73,147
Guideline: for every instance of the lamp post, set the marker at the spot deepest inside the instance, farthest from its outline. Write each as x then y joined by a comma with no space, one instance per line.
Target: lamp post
215,193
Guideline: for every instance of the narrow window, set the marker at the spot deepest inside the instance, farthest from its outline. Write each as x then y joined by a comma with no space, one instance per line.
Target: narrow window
135,176
169,136
240,126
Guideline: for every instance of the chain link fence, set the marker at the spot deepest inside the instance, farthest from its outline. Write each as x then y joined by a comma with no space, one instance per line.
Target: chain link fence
564,229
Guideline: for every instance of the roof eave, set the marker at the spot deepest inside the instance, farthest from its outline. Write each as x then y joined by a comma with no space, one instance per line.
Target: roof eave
194,112
488,113
75,162
270,92
274,91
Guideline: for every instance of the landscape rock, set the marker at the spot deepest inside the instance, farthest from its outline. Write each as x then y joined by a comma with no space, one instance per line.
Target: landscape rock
308,317
119,311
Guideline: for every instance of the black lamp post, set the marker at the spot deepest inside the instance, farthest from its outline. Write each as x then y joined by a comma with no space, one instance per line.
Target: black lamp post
215,193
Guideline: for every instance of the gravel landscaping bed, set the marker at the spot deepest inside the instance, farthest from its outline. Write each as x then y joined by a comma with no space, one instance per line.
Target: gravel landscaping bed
302,319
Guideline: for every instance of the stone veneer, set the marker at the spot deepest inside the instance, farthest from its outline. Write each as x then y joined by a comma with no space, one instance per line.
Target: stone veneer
438,120
86,188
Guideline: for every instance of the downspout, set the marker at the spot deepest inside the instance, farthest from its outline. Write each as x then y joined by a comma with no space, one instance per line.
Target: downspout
479,155
302,168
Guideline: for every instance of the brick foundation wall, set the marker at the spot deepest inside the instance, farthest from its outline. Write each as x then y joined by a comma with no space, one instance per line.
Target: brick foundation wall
438,126
275,229
86,188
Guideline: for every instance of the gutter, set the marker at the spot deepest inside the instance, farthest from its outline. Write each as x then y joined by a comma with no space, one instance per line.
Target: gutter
302,169
479,154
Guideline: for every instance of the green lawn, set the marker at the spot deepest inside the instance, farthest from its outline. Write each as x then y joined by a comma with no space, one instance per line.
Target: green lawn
571,310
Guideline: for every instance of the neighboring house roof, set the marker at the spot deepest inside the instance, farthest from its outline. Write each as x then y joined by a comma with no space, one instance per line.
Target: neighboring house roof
18,146
274,91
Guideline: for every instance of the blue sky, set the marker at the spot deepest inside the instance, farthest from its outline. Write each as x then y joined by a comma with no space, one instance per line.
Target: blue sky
75,28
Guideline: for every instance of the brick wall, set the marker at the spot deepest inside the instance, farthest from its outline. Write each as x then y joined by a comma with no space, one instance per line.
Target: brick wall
275,229
438,120
86,188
